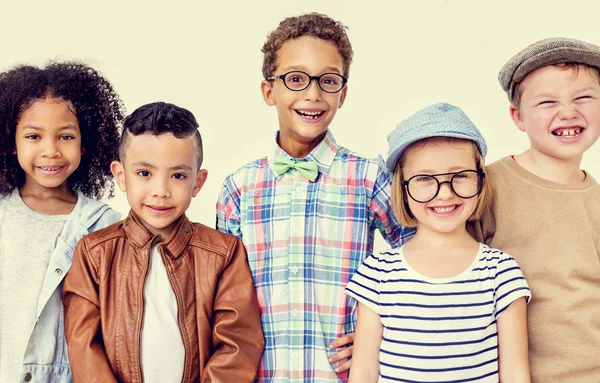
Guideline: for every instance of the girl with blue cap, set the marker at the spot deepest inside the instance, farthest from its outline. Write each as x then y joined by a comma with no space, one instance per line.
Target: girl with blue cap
443,307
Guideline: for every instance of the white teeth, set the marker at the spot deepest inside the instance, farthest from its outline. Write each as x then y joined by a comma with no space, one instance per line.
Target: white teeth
443,209
49,169
311,115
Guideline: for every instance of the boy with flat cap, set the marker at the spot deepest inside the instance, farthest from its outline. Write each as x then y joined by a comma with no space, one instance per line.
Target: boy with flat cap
546,210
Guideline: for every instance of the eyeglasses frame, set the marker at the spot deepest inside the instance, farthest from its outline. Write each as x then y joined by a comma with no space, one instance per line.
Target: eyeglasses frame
479,172
310,79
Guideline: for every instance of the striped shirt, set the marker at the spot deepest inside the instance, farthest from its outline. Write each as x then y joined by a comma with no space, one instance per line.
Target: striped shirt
304,242
439,330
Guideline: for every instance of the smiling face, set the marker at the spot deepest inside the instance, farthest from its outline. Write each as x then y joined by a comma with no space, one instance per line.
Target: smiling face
160,176
446,213
48,143
560,111
304,116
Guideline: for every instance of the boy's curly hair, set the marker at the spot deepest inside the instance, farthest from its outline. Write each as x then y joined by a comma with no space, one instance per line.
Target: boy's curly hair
311,24
99,113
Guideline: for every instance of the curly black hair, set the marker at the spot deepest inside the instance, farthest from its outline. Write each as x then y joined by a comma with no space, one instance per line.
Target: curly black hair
99,111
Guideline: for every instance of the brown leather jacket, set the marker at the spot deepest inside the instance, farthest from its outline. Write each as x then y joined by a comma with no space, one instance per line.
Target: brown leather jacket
218,312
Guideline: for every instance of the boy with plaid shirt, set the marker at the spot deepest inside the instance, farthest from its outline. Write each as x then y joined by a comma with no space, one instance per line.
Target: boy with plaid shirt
307,212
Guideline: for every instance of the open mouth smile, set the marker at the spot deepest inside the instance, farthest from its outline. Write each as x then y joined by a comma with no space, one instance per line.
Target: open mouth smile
310,115
444,210
568,132
51,170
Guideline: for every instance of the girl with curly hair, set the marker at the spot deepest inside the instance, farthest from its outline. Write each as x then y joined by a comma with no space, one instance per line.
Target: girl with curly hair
59,132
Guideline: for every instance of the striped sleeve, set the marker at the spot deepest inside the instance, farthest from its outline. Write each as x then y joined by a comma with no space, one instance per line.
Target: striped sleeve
510,284
365,284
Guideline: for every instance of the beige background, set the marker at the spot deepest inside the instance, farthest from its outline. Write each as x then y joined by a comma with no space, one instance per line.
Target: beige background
205,56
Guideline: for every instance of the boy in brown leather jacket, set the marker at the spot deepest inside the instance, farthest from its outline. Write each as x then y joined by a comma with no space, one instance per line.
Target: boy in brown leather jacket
157,298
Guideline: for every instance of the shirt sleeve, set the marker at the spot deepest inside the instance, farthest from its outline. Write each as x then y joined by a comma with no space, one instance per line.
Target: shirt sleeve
228,209
384,217
510,284
365,284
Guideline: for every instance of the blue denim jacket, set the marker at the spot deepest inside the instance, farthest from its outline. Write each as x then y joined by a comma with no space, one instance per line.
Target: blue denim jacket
46,358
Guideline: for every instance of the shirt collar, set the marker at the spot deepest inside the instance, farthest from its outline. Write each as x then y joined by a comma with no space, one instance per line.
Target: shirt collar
324,154
140,237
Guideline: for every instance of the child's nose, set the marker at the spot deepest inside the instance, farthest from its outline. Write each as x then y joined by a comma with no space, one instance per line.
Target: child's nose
445,191
160,189
313,92
567,111
51,149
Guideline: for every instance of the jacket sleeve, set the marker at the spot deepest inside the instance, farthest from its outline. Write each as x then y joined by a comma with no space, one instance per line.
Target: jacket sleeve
82,320
237,331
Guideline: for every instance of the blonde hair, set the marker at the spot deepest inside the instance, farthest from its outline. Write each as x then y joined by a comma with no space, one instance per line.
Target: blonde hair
518,89
400,195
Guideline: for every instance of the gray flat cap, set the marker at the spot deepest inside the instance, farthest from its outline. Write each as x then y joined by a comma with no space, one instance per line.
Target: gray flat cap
546,52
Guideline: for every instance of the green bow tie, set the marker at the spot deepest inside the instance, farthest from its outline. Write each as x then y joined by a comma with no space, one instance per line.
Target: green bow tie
308,169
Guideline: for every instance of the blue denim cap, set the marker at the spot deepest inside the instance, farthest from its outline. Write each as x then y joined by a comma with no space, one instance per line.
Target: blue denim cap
439,120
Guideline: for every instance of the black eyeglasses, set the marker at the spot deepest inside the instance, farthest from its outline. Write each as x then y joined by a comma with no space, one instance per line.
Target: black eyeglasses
425,187
297,81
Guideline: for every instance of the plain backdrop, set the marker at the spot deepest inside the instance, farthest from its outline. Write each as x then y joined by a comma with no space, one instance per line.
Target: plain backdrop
205,56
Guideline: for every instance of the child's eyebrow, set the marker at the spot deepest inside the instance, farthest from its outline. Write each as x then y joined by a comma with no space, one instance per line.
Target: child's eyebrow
551,95
451,169
586,89
176,167
182,167
34,127
545,95
144,164
302,68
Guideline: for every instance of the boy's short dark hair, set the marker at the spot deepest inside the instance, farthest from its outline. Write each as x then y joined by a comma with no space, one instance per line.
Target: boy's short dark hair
311,24
160,118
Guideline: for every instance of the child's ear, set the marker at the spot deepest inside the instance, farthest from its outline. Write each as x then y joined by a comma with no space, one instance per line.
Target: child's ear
517,117
82,150
118,172
200,180
266,88
343,96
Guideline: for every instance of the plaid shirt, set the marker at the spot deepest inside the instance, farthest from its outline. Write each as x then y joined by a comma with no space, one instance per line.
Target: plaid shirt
304,242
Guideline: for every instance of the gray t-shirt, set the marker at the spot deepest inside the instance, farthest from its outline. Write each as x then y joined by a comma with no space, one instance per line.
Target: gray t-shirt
27,240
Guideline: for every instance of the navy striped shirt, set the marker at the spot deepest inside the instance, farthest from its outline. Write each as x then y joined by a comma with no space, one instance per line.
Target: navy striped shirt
439,330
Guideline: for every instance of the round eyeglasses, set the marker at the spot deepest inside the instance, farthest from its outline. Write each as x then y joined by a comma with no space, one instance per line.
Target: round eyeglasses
425,187
297,81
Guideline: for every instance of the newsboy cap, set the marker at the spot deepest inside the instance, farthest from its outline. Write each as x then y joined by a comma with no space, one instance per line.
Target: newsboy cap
438,120
546,52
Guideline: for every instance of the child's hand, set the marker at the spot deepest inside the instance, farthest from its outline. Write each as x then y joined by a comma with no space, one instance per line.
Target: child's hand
343,357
